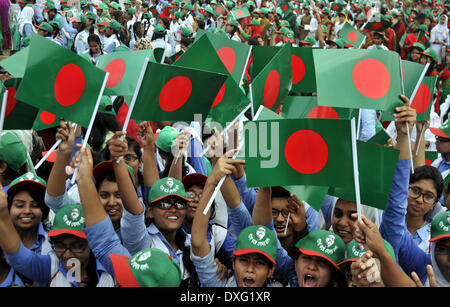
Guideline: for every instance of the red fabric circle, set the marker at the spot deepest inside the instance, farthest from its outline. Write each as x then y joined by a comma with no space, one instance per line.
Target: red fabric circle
69,85
298,69
116,69
175,93
371,78
322,112
219,96
47,118
228,57
422,99
271,89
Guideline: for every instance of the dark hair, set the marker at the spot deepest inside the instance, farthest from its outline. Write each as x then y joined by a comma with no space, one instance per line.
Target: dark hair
108,175
186,41
166,22
102,123
201,24
137,29
11,174
180,241
170,157
94,38
36,195
280,193
429,172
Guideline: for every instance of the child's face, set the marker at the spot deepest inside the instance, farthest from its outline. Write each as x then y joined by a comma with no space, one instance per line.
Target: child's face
342,219
252,270
25,211
312,271
442,255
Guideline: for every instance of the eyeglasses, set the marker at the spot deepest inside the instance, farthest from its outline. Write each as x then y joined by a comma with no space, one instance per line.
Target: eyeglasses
442,250
75,249
284,213
130,158
442,140
428,198
190,194
165,205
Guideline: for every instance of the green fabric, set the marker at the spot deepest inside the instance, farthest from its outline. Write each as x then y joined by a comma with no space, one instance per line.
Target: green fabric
423,101
440,226
12,151
166,138
68,220
411,73
166,187
347,33
304,75
16,63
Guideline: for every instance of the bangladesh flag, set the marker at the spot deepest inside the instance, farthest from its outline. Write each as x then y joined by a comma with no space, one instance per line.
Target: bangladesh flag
175,93
16,64
298,152
124,69
380,138
45,120
230,100
411,73
423,100
350,78
378,23
60,81
18,115
240,12
273,83
430,156
351,36
376,166
337,6
303,72
219,10
306,107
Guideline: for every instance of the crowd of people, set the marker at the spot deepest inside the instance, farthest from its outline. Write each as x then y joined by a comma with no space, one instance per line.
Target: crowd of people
134,215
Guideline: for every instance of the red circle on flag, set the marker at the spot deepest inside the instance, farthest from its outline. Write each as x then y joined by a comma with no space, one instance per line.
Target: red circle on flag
335,7
69,85
428,162
219,96
376,25
322,112
47,118
298,69
11,101
240,13
175,93
352,36
228,58
219,10
403,73
422,99
306,152
116,69
284,7
271,89
371,78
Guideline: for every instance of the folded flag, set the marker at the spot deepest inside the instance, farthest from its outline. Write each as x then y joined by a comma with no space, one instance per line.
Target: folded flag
175,93
298,152
306,107
45,120
123,68
60,81
380,138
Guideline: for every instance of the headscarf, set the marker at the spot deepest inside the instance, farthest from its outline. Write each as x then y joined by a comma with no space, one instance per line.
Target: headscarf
440,280
442,28
26,16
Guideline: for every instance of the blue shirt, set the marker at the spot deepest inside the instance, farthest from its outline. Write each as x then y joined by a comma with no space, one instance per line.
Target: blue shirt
12,280
393,227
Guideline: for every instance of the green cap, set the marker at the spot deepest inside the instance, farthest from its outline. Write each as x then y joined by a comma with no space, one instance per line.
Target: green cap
284,23
432,53
115,5
28,180
310,40
114,24
419,45
232,21
209,9
130,11
200,17
186,32
166,187
361,16
324,244
91,15
49,5
440,226
159,29
149,267
423,28
68,220
264,10
230,4
45,26
166,138
102,6
178,14
106,106
147,15
12,151
443,131
354,252
257,239
55,23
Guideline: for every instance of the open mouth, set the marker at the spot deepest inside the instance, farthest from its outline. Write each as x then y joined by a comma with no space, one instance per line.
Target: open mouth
342,233
248,282
309,281
280,228
25,220
172,218
112,211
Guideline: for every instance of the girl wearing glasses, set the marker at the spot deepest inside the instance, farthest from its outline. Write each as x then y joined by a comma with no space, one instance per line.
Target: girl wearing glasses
71,262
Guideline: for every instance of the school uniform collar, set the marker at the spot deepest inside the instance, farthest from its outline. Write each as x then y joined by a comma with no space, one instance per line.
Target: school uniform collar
40,238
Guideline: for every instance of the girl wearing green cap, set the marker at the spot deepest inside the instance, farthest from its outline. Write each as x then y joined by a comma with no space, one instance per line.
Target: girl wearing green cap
85,29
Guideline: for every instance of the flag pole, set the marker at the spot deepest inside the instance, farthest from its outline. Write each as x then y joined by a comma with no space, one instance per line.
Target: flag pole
246,63
413,95
356,172
133,100
407,124
91,124
3,111
74,125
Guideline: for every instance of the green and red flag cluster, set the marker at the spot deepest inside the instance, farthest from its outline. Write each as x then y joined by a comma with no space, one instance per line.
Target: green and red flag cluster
123,68
18,115
56,79
298,152
306,107
271,80
378,23
240,12
411,73
367,79
175,93
351,36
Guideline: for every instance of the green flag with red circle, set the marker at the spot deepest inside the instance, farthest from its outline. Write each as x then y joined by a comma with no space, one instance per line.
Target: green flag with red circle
219,10
239,12
273,83
376,167
45,120
423,100
124,69
306,107
298,152
60,81
430,156
303,72
175,93
351,36
355,78
411,73
18,115
230,100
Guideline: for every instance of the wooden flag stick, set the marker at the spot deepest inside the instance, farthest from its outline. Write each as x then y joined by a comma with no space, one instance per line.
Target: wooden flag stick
91,124
74,125
3,112
133,100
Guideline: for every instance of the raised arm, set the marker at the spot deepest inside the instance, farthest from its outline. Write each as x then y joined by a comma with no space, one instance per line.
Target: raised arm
181,144
147,138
